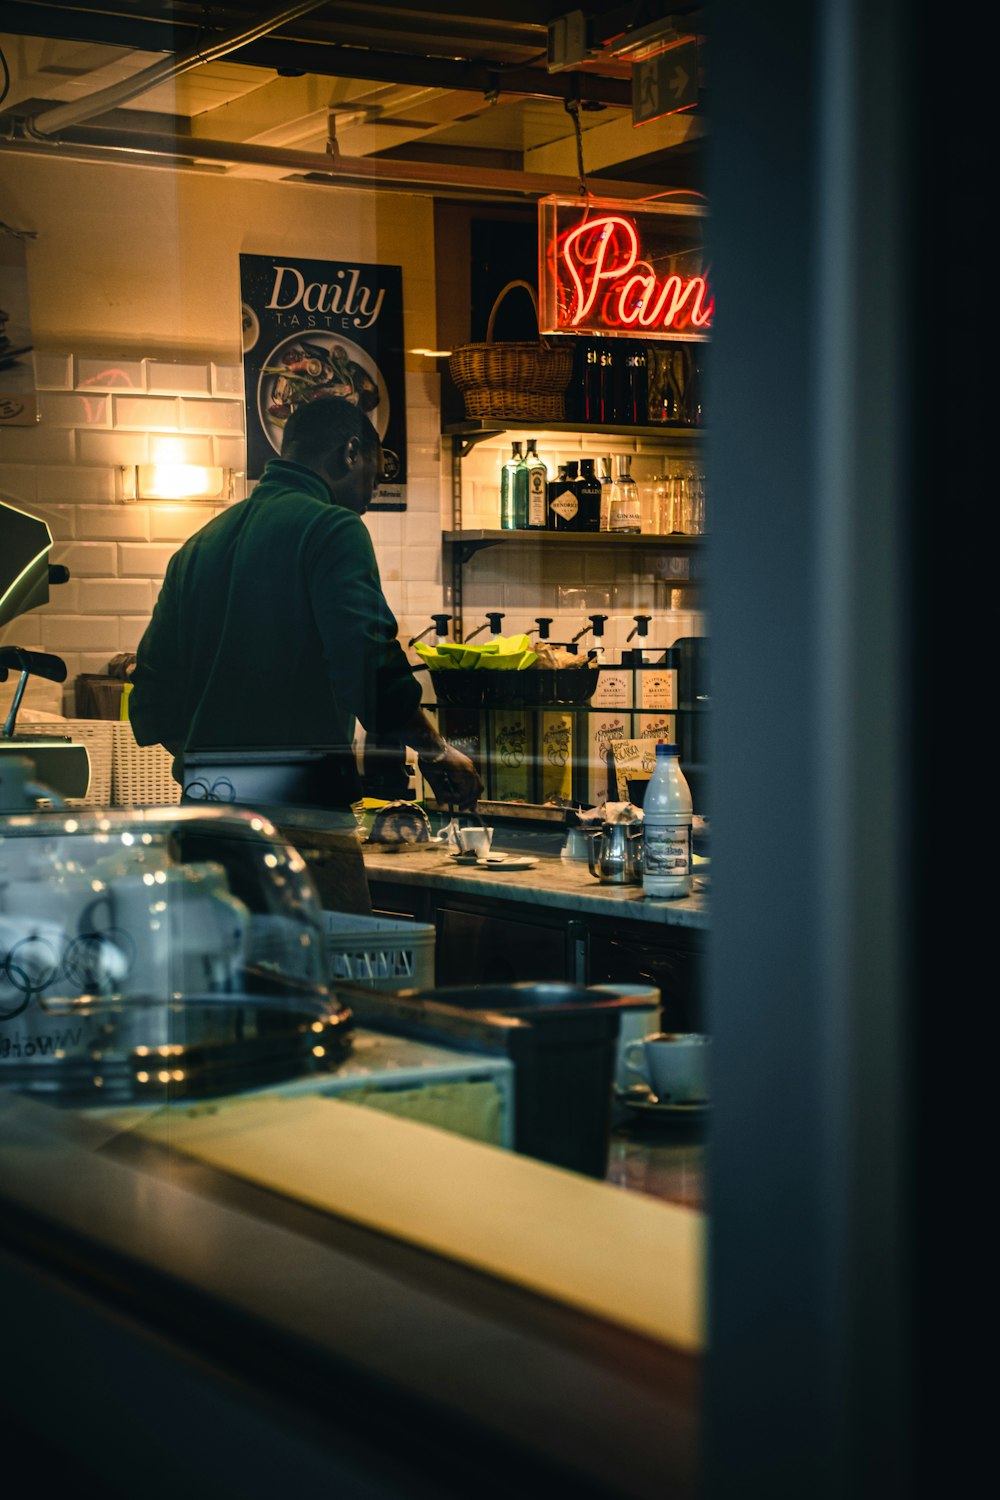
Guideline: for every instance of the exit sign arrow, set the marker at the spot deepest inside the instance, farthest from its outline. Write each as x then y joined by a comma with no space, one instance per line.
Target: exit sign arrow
666,83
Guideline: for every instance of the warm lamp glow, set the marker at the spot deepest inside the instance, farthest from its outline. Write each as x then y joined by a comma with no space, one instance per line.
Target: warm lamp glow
178,482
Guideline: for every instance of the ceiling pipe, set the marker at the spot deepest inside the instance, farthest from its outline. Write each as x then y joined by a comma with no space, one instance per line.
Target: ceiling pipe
346,171
50,121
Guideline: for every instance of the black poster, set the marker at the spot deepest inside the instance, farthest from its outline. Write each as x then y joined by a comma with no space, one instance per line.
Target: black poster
315,328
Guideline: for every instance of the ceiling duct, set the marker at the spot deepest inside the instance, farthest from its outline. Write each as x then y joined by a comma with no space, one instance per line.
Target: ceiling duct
50,121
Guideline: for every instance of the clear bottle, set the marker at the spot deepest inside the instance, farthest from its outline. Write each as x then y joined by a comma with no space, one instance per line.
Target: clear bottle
538,476
564,505
514,491
667,860
605,478
623,510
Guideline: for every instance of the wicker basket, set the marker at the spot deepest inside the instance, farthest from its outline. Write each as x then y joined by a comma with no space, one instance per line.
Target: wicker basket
523,382
98,736
141,774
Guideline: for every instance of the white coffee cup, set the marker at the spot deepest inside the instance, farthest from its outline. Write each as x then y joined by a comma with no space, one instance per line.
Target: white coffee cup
478,840
673,1064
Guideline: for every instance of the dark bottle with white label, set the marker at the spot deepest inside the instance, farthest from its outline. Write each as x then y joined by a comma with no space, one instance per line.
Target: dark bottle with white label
564,505
588,494
538,474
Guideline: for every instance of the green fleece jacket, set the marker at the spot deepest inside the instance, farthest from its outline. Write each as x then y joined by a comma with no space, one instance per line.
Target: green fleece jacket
271,629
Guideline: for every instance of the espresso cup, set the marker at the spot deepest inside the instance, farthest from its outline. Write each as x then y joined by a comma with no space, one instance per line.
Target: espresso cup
475,840
673,1064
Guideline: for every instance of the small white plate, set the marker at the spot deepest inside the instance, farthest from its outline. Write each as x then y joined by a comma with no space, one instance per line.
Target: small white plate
499,862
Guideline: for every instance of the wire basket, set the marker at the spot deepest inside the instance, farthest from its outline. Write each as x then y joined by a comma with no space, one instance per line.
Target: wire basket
515,381
142,775
380,953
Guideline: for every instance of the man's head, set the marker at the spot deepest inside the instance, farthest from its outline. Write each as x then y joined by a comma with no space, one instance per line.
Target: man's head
336,441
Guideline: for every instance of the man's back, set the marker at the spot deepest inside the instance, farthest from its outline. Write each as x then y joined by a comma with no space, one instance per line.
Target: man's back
271,629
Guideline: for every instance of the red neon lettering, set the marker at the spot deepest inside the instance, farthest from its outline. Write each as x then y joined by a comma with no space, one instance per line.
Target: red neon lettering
590,245
599,253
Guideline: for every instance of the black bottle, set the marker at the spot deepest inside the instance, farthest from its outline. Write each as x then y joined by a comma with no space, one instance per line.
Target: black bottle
588,494
632,403
564,504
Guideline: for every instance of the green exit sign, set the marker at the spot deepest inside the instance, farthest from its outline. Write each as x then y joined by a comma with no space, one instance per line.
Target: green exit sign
666,83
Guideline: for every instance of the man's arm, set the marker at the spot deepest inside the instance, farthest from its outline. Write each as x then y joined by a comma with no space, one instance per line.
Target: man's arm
452,775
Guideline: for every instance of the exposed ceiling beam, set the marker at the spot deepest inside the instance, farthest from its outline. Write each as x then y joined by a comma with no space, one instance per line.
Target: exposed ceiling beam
323,57
96,143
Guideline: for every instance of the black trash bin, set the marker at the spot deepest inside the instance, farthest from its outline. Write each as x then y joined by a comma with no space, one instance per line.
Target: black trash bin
563,1049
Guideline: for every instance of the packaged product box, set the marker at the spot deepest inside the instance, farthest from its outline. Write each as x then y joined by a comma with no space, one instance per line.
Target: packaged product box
614,688
656,726
605,731
556,756
509,757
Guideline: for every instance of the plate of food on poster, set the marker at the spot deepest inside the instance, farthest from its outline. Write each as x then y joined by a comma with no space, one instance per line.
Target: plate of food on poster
313,366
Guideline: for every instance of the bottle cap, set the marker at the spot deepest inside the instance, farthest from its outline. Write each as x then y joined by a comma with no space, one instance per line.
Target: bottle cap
662,748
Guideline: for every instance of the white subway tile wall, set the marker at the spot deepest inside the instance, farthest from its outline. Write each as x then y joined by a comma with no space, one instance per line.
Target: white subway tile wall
102,416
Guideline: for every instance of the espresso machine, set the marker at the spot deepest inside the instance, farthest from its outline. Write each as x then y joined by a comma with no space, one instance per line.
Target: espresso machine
60,763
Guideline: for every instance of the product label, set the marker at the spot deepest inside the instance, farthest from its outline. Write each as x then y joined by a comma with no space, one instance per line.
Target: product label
656,689
510,757
566,505
625,515
652,727
536,497
613,689
666,851
557,757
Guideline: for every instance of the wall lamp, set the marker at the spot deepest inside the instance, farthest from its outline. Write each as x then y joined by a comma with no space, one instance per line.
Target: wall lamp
170,481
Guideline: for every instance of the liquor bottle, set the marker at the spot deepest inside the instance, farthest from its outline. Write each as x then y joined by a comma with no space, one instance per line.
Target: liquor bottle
538,474
514,491
591,379
667,861
608,382
588,494
632,403
564,505
605,478
623,514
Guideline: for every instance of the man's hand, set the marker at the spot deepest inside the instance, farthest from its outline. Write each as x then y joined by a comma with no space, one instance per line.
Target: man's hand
453,778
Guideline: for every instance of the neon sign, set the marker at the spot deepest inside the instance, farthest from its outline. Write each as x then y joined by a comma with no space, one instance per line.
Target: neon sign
623,269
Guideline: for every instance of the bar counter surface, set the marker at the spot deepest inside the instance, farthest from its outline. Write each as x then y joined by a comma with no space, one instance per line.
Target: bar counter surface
554,882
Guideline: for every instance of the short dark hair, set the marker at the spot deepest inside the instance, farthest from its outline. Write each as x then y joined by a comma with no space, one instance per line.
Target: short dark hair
324,424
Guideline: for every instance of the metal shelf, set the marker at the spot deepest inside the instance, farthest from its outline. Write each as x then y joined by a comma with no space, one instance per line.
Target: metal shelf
467,434
473,541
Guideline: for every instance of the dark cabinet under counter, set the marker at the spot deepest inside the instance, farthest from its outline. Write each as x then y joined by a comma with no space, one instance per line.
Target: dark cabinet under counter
485,939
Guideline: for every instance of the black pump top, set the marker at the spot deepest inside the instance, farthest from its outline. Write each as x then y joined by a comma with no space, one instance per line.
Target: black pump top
544,623
494,616
441,623
597,625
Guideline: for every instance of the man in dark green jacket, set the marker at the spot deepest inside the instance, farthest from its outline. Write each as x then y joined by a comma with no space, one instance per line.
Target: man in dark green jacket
271,630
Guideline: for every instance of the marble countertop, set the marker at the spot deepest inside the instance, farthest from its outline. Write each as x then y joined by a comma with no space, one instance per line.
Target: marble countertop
554,882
